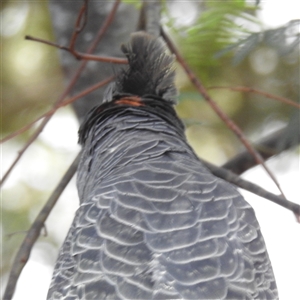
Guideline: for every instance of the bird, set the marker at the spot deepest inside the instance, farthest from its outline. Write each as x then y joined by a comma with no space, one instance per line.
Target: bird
153,222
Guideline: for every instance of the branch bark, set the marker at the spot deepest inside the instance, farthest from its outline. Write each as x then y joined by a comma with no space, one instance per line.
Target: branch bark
229,123
115,32
253,188
34,231
270,146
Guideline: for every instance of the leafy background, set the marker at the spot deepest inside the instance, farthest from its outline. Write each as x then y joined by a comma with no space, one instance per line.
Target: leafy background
227,43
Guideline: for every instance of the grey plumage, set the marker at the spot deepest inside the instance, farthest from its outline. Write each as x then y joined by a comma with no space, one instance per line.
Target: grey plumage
153,222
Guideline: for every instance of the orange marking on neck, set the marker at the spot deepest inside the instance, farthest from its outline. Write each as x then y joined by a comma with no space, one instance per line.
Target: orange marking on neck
131,100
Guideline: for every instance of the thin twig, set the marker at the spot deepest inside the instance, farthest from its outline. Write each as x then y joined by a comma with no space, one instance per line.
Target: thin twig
230,124
22,151
46,117
79,27
79,55
53,110
246,89
73,80
253,188
34,232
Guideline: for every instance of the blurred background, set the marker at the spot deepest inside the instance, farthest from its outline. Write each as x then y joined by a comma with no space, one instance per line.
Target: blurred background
229,43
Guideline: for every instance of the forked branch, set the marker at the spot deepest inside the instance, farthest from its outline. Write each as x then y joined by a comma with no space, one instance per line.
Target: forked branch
230,124
253,188
56,107
79,55
70,86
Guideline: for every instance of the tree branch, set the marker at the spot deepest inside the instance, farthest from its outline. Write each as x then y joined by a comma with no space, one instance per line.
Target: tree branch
115,26
79,55
53,110
68,89
229,123
34,231
268,147
150,17
253,188
246,89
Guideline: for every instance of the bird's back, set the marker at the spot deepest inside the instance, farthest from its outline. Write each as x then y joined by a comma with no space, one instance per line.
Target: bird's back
153,222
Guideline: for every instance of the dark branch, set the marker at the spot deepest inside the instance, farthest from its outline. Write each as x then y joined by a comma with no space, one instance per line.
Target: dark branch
80,23
253,188
53,110
34,232
150,17
69,88
246,89
79,55
229,123
268,147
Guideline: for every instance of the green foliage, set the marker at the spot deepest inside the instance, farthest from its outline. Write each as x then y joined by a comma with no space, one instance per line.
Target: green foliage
136,3
284,40
223,46
217,27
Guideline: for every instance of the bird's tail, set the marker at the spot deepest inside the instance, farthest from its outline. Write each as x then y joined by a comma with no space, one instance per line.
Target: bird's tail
150,70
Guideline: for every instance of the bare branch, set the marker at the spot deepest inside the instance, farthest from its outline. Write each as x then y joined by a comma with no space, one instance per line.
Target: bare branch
53,110
230,124
78,29
79,55
253,188
150,17
34,232
79,23
71,84
246,89
267,148
22,151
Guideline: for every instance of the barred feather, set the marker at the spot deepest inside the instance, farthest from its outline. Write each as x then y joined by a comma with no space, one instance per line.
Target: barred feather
153,222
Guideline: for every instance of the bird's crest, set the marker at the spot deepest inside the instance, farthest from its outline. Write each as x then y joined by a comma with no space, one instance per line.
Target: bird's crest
150,70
